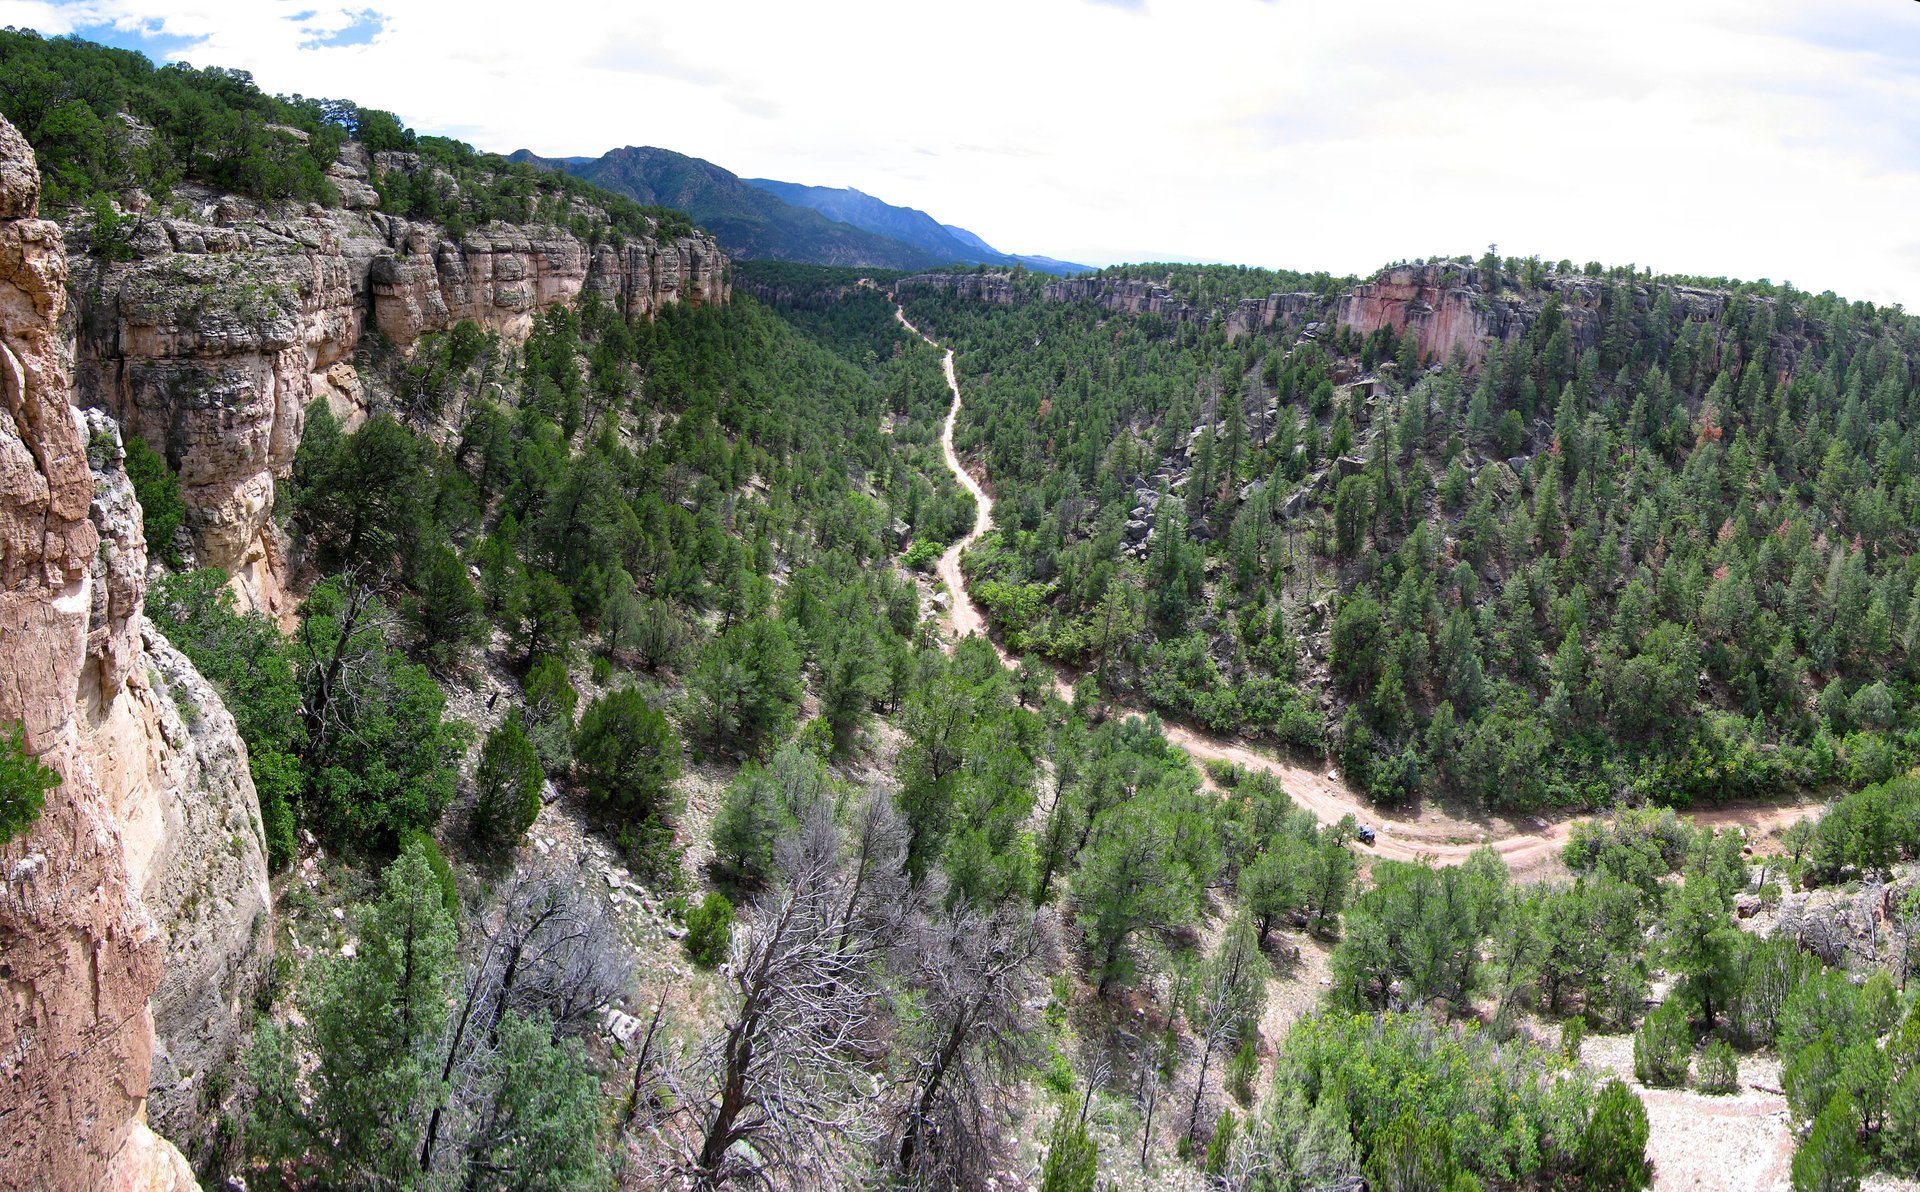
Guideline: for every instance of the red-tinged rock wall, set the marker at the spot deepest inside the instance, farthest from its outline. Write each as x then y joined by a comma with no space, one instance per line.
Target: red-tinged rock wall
79,954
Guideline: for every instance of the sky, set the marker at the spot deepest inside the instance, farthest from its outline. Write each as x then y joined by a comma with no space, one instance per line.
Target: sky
1751,139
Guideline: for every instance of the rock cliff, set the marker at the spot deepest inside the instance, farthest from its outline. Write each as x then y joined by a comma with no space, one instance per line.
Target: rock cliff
79,954
230,318
144,876
1444,307
173,770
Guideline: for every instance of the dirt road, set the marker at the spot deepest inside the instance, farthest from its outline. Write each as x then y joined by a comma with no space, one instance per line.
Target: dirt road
1444,839
965,616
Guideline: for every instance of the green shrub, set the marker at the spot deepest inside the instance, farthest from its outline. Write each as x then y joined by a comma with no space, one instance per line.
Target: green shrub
1663,1046
1572,1031
1073,1157
24,782
1221,1145
277,779
507,786
551,699
423,842
1225,774
1830,1158
710,930
921,554
1719,1069
627,757
1242,1070
158,491
1613,1149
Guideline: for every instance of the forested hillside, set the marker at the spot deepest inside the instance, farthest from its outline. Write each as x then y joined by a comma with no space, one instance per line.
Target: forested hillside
638,813
1675,563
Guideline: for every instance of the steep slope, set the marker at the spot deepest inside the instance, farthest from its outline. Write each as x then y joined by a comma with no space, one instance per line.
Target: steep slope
748,221
131,864
1523,535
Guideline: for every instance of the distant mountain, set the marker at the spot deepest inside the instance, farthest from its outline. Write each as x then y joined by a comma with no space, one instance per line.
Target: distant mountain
762,219
968,238
748,221
909,224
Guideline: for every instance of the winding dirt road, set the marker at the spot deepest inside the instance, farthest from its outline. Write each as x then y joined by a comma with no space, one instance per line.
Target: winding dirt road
1443,839
965,615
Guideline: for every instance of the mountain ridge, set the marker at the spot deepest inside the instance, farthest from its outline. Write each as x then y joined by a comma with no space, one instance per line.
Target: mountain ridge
765,219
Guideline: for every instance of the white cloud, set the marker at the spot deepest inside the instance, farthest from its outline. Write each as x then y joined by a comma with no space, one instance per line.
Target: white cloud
1761,138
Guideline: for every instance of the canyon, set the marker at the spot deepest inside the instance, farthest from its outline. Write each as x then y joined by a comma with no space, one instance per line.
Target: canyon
136,913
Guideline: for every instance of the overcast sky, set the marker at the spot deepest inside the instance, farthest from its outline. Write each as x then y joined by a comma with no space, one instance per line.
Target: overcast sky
1756,138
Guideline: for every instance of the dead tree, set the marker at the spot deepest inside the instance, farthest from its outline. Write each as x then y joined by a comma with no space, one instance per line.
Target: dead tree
1227,999
971,1039
543,949
790,1068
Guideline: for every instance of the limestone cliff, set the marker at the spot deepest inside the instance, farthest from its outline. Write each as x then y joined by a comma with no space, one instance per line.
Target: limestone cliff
145,876
230,318
79,954
173,769
1445,308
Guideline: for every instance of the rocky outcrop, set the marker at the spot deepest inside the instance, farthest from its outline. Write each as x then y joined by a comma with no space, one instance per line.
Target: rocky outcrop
79,954
1445,308
206,884
1251,315
1129,296
173,771
231,318
994,289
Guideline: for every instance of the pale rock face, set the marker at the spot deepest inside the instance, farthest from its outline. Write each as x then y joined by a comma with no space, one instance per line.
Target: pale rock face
149,1163
205,881
79,954
173,769
1444,306
213,340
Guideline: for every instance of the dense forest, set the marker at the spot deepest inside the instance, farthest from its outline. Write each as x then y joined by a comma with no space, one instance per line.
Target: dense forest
637,821
1676,565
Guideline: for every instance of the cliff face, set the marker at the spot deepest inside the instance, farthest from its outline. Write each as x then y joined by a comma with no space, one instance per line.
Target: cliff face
173,772
228,321
79,954
145,876
994,289
1443,306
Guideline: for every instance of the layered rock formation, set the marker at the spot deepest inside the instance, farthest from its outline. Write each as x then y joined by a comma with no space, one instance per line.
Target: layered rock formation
1442,305
231,318
173,770
1445,308
995,289
145,875
79,954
